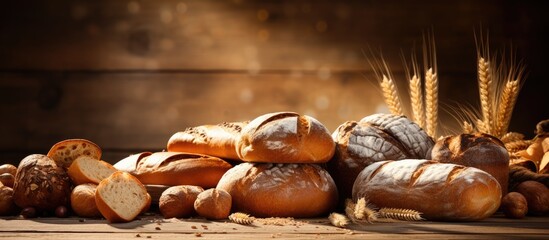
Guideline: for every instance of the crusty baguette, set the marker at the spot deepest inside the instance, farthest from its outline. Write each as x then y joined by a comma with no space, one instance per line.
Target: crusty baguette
177,168
214,140
85,169
440,191
129,164
285,137
66,151
121,197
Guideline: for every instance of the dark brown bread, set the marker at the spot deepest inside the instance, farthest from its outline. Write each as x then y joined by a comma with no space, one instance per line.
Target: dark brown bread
440,191
41,183
285,137
537,197
214,140
280,190
7,206
479,150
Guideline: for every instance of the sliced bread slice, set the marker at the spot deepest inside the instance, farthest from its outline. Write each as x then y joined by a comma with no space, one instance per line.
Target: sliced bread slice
86,169
121,197
66,151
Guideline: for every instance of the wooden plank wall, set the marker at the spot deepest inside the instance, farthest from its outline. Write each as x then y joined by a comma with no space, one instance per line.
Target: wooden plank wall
128,74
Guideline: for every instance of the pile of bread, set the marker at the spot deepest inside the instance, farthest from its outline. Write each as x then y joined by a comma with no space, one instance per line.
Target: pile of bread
277,165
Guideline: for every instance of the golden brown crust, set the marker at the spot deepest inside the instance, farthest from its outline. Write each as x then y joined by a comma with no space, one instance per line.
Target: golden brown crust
7,206
8,168
213,204
440,191
79,174
178,201
285,137
83,201
66,151
214,140
280,190
129,164
176,168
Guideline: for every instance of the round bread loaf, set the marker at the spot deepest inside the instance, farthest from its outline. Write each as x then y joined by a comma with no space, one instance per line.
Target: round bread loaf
479,150
83,201
280,190
41,183
213,204
285,137
178,201
378,137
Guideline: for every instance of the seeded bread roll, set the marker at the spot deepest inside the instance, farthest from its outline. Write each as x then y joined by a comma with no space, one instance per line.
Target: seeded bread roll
178,201
83,201
280,190
176,168
40,183
440,191
87,169
121,197
479,150
214,140
66,151
378,137
285,137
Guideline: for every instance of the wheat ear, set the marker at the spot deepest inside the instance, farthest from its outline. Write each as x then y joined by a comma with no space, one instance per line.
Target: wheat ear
400,214
506,105
390,94
468,127
431,102
511,137
241,218
338,220
363,211
486,93
416,99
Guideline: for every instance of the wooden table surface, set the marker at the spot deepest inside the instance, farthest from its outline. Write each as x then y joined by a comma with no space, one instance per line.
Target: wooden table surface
155,227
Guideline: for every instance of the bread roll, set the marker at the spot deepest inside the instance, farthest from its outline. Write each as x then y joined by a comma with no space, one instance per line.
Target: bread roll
280,190
8,168
41,183
214,204
178,201
440,191
174,168
285,137
378,137
7,206
7,179
537,197
214,140
66,151
121,197
83,201
85,169
479,150
129,164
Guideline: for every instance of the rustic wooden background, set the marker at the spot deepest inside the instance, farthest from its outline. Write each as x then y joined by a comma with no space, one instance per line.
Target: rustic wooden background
128,74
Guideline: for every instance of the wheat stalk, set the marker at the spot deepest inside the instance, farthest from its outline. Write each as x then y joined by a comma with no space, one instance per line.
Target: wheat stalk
467,127
241,218
351,209
511,137
400,214
416,99
431,102
338,220
363,211
390,95
518,145
486,94
508,100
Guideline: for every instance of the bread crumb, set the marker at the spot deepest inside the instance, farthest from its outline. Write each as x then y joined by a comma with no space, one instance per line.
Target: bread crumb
149,236
193,227
198,234
280,221
138,235
157,228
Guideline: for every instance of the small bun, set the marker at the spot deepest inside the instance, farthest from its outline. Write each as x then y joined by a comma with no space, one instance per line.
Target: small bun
7,206
83,201
213,204
280,190
178,201
285,137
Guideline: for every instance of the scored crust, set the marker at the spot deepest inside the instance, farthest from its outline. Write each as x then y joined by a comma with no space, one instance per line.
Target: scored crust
66,151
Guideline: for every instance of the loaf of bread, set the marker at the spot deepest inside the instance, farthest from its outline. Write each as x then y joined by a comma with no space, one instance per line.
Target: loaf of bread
129,164
66,151
479,150
440,191
121,197
285,137
280,190
86,169
378,137
41,183
83,201
214,204
214,140
8,168
176,168
178,201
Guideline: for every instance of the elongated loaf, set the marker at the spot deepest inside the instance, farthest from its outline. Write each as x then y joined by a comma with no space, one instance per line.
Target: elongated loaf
285,137
280,190
129,164
214,140
440,191
177,168
85,169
